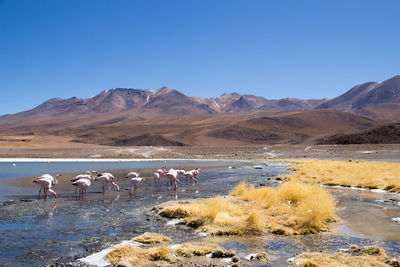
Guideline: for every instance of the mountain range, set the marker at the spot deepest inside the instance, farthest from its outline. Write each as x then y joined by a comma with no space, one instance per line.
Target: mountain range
168,117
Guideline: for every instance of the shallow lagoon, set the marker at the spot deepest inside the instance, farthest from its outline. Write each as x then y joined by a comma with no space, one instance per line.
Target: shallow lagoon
65,229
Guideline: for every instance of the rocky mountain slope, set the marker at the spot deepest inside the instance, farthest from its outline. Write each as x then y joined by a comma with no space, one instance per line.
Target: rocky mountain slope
366,95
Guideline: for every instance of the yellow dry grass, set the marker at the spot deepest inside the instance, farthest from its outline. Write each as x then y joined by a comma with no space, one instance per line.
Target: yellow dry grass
152,238
140,256
293,208
155,254
380,175
366,256
196,249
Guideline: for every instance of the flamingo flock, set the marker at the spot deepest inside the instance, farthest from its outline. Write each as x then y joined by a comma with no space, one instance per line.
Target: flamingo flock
83,181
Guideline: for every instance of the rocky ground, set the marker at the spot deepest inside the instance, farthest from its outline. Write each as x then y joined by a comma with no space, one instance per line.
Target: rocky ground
375,152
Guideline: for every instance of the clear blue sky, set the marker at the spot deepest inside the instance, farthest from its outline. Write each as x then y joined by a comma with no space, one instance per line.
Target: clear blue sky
275,49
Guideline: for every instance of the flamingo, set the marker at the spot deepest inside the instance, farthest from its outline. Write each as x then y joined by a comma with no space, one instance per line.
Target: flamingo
162,171
172,175
192,174
135,180
106,178
83,184
48,176
45,182
156,177
88,176
158,174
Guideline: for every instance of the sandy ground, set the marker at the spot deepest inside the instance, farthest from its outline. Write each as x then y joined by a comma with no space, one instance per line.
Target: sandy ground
74,150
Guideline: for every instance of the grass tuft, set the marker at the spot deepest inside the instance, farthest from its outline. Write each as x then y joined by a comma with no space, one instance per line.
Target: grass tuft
196,249
366,256
293,208
152,238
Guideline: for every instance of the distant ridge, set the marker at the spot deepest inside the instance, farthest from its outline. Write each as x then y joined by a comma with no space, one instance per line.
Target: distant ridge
167,117
366,95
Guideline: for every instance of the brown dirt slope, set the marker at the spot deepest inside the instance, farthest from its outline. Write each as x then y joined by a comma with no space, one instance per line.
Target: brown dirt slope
142,140
292,127
387,134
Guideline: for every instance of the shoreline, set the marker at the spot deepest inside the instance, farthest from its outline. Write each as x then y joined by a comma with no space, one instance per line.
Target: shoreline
11,160
372,152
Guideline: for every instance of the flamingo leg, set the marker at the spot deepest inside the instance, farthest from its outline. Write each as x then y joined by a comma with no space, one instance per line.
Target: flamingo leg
39,192
45,193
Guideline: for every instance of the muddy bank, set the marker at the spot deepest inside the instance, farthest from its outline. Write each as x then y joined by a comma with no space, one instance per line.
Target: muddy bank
379,152
26,207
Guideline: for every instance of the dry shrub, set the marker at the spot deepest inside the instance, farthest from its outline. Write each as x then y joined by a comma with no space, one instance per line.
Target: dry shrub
315,210
382,175
293,208
367,256
152,238
196,249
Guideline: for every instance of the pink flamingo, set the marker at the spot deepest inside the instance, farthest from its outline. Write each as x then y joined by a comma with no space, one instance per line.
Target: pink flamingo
106,178
45,182
90,176
192,174
158,174
83,184
172,175
48,176
156,177
135,180
162,171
